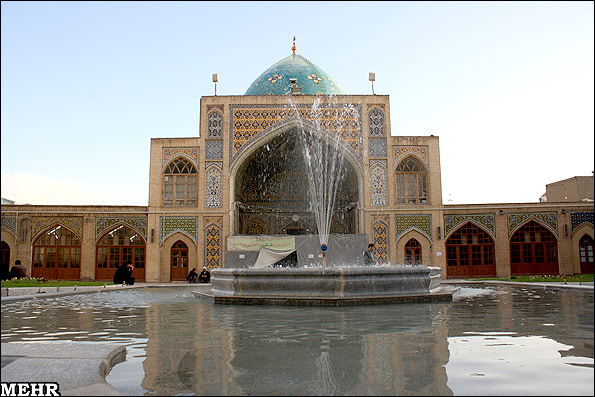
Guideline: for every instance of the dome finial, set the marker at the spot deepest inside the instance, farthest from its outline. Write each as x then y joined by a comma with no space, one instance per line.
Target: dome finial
294,48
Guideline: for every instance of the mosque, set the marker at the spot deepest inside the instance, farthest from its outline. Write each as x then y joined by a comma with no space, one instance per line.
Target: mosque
216,199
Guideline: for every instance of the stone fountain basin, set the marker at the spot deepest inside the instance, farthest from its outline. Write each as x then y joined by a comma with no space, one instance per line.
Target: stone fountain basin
326,286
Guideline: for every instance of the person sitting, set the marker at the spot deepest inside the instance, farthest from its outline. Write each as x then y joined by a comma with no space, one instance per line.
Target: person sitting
123,274
192,276
204,276
18,270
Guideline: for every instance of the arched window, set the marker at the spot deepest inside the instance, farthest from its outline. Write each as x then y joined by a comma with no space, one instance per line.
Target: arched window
412,179
116,248
533,250
586,252
470,253
179,261
179,183
5,258
413,252
57,255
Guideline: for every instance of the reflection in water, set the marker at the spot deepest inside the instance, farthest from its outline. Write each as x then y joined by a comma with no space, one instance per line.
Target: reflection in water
491,340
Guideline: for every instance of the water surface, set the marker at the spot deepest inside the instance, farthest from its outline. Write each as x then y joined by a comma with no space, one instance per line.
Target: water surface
499,340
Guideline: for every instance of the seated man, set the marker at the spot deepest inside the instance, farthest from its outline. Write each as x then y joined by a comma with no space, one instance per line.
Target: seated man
204,276
192,276
18,270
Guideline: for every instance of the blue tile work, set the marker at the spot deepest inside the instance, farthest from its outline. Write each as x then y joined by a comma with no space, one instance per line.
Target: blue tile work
215,125
378,194
485,221
401,151
213,229
376,122
421,223
251,122
40,223
312,79
104,224
214,149
167,153
214,181
377,147
380,232
578,218
547,219
168,225
9,223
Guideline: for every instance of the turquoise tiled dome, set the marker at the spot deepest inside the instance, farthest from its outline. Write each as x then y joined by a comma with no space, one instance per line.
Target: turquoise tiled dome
312,79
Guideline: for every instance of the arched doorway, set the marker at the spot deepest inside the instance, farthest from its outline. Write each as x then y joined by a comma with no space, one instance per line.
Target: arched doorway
586,253
5,249
470,253
57,255
413,252
272,186
533,250
179,261
117,246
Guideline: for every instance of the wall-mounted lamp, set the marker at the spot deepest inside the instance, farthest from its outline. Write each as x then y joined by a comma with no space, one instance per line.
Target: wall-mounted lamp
372,78
563,211
215,80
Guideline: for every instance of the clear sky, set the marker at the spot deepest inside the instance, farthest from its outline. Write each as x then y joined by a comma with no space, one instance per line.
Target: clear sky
507,86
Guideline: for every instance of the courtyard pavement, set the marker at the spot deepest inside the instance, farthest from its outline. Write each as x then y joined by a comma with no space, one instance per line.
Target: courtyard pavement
80,369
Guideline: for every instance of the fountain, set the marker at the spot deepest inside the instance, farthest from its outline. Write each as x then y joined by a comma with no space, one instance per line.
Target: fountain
338,282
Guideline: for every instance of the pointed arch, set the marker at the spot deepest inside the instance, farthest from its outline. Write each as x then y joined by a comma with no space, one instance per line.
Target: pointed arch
421,238
470,252
180,179
56,254
533,250
115,247
411,181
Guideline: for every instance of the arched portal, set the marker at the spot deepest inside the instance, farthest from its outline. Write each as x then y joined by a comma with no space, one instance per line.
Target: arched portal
179,261
115,248
586,254
470,253
533,250
57,255
271,186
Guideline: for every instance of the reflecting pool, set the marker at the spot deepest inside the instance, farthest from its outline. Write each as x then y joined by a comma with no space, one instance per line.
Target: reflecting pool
490,340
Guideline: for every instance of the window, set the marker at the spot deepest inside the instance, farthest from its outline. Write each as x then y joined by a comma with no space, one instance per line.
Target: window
116,248
470,253
586,254
413,252
179,183
411,182
533,250
57,255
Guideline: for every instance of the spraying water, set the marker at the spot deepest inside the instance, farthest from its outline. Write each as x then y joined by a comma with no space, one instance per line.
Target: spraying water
324,160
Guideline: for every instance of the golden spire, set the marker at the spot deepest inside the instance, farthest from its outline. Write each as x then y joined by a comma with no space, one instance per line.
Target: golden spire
294,48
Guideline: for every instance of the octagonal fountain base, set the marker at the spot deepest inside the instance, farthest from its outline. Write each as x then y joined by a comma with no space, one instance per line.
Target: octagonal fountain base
333,286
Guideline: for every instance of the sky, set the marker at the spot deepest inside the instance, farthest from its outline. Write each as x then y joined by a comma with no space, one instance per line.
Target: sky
506,86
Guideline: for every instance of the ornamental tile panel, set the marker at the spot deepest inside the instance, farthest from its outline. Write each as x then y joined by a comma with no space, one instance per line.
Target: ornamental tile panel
421,223
578,218
9,223
376,122
378,187
213,241
249,122
400,151
380,233
214,150
169,225
377,147
214,125
40,223
103,224
486,221
167,153
214,186
547,219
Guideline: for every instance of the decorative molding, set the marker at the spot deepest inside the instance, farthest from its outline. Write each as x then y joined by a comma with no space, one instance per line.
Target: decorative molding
169,225
214,185
214,149
215,125
40,223
376,122
213,229
103,224
380,230
484,221
400,151
578,218
547,219
167,153
420,222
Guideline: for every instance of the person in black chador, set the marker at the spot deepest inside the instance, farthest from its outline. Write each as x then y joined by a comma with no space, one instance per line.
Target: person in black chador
204,276
192,276
123,274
